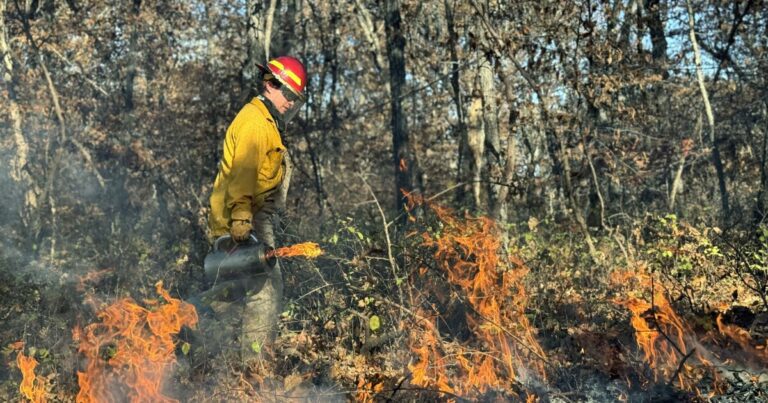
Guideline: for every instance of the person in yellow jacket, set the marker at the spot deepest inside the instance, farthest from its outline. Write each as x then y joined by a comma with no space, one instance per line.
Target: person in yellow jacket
243,199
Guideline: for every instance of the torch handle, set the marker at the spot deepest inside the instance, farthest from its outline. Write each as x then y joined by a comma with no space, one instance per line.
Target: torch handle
217,243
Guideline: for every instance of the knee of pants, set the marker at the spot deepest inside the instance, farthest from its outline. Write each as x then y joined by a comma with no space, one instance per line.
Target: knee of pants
272,279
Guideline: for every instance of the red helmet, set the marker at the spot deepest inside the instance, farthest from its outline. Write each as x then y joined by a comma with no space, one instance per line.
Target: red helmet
290,72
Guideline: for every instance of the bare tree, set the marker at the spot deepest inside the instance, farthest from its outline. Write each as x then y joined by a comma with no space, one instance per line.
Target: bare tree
716,159
402,151
655,10
258,17
22,148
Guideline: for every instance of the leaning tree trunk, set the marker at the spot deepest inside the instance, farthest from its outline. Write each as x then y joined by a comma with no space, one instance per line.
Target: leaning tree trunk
18,168
402,152
716,159
255,46
365,21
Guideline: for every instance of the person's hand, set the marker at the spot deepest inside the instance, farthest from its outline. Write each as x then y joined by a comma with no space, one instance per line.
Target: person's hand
240,230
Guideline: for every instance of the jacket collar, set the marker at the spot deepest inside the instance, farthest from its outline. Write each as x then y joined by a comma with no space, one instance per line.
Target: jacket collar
272,111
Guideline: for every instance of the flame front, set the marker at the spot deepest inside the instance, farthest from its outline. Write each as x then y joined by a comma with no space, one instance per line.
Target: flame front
307,249
130,350
755,351
668,344
467,250
32,387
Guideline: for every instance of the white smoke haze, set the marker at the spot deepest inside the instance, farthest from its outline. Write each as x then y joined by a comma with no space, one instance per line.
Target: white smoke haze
75,188
11,197
80,180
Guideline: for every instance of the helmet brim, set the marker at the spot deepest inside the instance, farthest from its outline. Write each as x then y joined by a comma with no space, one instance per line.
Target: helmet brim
262,67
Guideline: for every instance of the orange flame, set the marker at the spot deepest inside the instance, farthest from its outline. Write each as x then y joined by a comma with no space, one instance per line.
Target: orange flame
665,339
743,339
429,352
467,250
367,390
307,249
130,350
32,387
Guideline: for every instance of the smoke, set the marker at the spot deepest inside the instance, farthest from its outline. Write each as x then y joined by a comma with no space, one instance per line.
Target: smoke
16,261
26,249
11,194
83,184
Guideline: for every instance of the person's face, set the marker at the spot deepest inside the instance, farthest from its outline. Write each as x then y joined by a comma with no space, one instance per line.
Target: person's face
283,104
285,101
283,98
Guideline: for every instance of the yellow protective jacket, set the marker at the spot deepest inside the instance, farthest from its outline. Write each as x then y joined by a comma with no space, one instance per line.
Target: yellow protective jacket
250,170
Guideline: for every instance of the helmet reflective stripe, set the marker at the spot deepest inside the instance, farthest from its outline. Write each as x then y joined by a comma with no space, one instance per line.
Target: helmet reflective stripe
286,72
289,71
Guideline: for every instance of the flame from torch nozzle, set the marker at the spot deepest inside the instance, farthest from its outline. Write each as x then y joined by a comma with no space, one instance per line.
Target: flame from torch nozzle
307,249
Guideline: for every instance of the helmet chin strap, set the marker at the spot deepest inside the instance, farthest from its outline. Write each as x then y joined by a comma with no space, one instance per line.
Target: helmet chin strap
273,111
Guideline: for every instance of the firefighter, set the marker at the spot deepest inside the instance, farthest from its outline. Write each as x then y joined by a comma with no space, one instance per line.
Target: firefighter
246,189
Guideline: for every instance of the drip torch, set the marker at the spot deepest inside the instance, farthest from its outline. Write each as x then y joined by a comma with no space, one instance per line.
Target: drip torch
230,260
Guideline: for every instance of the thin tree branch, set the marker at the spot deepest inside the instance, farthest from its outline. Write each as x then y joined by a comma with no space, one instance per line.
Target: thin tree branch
677,182
384,224
80,71
680,366
597,186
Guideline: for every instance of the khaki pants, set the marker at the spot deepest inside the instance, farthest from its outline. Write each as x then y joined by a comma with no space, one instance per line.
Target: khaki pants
255,301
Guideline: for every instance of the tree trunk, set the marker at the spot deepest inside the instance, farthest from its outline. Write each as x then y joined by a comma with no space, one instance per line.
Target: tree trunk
655,10
256,52
498,209
402,152
717,161
490,107
287,33
268,23
458,98
131,70
625,33
476,143
22,148
369,30
490,92
18,165
760,212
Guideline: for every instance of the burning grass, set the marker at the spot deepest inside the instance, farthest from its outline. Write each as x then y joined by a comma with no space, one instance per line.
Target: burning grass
669,345
32,387
328,334
131,349
753,352
504,353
